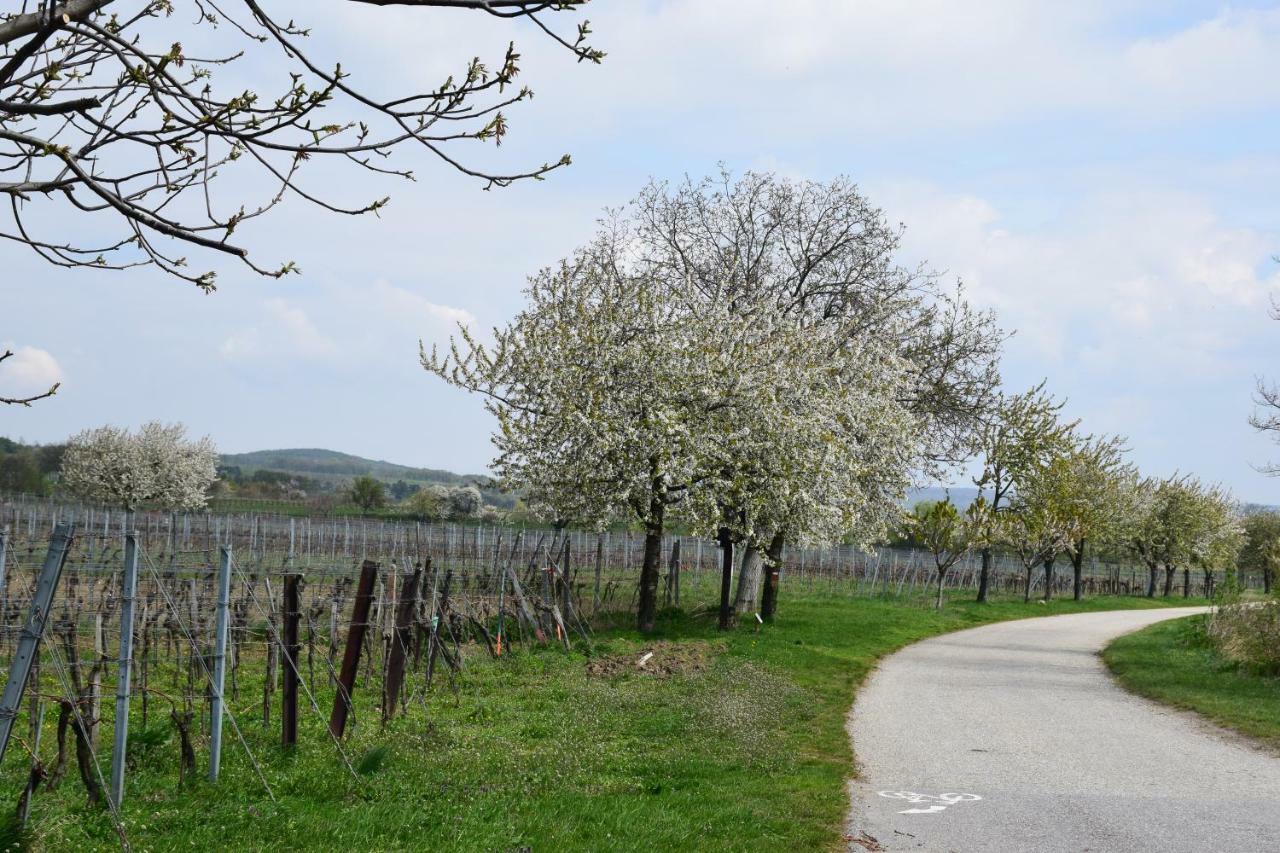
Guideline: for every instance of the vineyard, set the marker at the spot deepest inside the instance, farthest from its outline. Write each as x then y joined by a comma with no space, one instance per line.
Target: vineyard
229,636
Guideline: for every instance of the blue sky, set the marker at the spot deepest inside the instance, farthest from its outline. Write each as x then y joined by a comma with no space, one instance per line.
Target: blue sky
1103,174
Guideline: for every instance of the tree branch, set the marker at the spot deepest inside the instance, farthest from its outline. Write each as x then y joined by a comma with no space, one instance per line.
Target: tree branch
25,401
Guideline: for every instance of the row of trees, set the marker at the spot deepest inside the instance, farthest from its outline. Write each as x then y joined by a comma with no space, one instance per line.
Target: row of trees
748,357
1057,493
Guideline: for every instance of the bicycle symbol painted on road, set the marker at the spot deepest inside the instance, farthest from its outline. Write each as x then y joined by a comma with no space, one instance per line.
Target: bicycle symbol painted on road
934,803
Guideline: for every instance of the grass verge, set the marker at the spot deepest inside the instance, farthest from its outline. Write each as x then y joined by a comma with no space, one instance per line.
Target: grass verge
721,742
1173,662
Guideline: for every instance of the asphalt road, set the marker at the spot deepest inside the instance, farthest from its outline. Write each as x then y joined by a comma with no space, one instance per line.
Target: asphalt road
1024,715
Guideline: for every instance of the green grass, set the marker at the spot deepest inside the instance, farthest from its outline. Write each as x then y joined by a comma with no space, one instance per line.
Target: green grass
1172,662
744,748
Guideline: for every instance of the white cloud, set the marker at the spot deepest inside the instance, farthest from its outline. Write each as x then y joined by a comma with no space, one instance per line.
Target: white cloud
286,329
241,345
1228,60
29,370
301,333
404,305
1130,285
834,67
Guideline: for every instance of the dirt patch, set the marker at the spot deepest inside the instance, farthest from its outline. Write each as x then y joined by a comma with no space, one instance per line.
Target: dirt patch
656,660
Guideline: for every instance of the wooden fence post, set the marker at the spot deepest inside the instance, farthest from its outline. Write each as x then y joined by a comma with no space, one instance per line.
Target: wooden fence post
355,642
222,621
400,637
673,574
566,583
128,591
595,599
525,610
290,648
437,621
29,640
726,577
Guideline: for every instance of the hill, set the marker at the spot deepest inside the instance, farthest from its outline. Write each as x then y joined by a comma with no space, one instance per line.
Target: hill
328,470
333,466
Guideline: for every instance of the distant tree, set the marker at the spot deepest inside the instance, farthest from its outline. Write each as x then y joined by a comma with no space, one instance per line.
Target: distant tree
1034,527
1222,537
948,534
463,502
230,474
20,472
401,490
1090,480
1177,522
1018,437
368,493
49,457
1260,551
156,465
425,504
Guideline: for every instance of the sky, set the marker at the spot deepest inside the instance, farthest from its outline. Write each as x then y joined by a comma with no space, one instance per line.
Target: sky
1101,174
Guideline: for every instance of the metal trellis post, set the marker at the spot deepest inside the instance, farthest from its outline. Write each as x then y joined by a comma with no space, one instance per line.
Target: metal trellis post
29,640
128,591
221,619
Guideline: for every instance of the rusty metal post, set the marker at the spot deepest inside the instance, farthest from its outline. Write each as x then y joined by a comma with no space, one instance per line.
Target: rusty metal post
290,648
355,642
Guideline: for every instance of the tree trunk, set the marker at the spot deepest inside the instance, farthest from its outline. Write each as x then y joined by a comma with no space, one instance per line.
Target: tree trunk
1151,582
1186,582
726,577
1208,584
1048,578
1169,572
748,581
650,569
942,578
1026,592
1077,571
772,577
984,577
1266,580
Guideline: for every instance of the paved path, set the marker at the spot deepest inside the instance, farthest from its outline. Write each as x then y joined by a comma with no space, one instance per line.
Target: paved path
1024,715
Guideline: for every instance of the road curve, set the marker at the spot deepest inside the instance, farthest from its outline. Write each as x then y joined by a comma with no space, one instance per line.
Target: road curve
1024,715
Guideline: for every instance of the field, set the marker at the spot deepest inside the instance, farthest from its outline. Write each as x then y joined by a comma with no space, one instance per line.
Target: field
1174,663
720,741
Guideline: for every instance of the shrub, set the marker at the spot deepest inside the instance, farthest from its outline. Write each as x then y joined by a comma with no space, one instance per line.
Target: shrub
1248,634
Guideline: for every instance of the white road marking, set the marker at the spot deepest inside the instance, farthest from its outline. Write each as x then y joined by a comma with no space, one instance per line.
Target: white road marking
940,801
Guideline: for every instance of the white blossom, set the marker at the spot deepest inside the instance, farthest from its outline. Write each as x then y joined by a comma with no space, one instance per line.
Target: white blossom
155,466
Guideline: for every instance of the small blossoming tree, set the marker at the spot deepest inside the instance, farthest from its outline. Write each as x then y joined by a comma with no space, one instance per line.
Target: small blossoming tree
156,465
